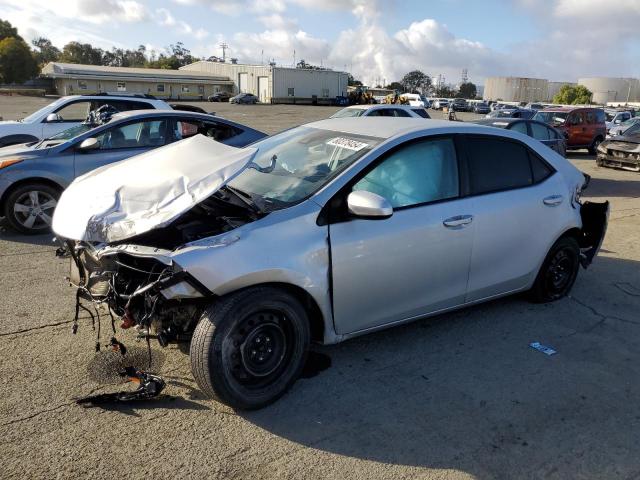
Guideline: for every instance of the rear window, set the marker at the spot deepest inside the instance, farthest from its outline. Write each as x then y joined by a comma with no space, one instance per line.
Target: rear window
496,164
539,168
421,111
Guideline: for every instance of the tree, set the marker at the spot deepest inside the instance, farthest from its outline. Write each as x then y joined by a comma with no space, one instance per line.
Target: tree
573,95
395,86
416,81
352,82
445,92
467,90
16,62
76,52
7,30
46,52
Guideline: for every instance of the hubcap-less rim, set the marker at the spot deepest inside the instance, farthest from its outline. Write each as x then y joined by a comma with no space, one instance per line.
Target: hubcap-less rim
34,209
559,272
259,349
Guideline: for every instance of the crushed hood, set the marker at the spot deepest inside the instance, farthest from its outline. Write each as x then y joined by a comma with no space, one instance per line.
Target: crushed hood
148,191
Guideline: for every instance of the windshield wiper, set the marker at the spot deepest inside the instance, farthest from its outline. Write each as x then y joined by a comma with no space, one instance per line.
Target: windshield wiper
268,169
245,198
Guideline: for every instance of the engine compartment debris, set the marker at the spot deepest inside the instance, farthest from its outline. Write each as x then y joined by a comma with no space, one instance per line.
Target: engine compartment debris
149,386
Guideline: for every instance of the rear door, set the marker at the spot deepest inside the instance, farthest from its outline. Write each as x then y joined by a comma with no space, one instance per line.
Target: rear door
122,141
580,132
514,193
416,261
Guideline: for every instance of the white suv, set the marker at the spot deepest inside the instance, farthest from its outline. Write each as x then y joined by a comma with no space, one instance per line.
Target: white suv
67,112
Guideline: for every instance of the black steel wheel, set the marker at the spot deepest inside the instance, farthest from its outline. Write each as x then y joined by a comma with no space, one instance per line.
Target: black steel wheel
558,272
250,347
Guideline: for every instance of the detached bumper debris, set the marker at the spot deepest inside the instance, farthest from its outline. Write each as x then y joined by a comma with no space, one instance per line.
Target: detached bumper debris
543,348
149,387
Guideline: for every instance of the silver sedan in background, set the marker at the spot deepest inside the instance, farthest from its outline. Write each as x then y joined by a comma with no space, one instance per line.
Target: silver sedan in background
33,175
322,233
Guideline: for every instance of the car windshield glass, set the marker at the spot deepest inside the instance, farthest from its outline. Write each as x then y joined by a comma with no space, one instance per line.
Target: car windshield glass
348,112
633,129
552,118
294,164
34,116
610,116
628,123
72,132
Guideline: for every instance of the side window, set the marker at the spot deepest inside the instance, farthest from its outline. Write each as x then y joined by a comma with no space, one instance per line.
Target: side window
397,112
600,116
519,127
150,133
496,164
217,131
539,132
540,169
421,111
553,134
418,173
376,113
576,119
591,118
74,112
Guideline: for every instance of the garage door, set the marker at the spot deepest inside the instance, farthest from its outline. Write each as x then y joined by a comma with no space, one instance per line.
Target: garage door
243,82
263,89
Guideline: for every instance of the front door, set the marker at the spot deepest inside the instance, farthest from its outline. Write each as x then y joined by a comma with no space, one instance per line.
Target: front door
414,262
120,142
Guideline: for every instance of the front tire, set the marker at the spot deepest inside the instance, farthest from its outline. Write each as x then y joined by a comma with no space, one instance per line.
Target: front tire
593,149
558,272
29,208
250,347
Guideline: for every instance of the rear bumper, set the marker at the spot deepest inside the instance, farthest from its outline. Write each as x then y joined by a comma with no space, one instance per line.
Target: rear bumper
623,160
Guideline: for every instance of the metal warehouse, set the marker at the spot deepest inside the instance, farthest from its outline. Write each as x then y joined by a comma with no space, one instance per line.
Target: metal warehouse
70,79
275,84
607,89
516,89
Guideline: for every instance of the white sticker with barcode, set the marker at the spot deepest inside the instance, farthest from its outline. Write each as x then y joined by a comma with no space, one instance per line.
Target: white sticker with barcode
543,348
347,143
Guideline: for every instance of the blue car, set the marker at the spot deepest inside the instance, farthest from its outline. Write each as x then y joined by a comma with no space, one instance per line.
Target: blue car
33,175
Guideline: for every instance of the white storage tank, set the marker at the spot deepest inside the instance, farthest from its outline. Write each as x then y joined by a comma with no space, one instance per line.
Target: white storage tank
516,89
608,89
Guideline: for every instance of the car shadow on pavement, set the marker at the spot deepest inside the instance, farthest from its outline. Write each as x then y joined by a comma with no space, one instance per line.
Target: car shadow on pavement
610,188
465,391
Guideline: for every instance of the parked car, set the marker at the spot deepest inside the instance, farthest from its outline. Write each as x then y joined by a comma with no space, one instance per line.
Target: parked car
548,135
481,107
584,127
440,103
622,152
322,233
69,111
534,106
511,112
614,118
220,97
458,105
416,100
32,176
383,110
621,129
246,98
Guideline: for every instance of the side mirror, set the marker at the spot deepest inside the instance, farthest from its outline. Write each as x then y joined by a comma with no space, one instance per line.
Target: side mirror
89,144
53,118
618,122
369,205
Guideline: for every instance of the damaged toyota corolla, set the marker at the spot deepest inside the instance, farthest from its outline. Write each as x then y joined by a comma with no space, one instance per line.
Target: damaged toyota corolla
319,234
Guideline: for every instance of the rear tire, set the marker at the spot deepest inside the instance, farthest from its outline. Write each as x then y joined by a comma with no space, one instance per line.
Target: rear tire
558,272
29,208
250,347
593,149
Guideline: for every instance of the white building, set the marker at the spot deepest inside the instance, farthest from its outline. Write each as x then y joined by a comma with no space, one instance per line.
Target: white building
607,89
273,84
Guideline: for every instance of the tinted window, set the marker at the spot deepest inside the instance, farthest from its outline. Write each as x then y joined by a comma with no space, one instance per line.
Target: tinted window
600,116
576,119
399,113
540,169
540,132
417,173
496,164
519,127
150,133
74,112
218,131
591,117
421,111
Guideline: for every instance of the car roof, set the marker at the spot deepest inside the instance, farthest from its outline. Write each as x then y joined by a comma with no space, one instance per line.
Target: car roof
379,105
387,127
157,112
567,109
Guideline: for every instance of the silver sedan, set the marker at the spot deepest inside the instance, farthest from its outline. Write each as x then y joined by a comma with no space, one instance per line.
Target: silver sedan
322,233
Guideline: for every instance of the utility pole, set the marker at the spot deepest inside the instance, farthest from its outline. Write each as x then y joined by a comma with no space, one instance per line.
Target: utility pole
224,47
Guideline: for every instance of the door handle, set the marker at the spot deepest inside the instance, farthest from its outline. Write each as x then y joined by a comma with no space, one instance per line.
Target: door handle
458,221
553,200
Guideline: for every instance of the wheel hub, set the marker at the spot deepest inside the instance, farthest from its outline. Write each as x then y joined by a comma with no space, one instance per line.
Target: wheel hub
263,349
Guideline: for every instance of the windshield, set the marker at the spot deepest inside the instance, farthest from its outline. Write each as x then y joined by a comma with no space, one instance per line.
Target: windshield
72,132
552,118
631,121
633,129
348,112
610,116
35,115
297,163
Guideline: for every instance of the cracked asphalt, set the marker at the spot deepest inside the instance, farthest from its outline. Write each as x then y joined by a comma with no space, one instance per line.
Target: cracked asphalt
457,396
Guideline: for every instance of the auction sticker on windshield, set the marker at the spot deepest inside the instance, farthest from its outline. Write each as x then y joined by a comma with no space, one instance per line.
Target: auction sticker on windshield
347,143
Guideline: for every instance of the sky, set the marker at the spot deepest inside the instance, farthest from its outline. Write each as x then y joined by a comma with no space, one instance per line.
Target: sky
378,41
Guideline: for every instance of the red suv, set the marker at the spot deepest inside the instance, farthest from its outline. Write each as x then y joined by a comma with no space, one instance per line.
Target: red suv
583,127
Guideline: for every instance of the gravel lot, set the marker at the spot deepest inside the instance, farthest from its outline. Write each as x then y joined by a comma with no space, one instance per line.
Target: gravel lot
456,396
